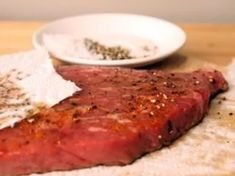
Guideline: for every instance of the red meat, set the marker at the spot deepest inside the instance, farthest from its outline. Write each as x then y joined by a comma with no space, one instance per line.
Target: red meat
119,115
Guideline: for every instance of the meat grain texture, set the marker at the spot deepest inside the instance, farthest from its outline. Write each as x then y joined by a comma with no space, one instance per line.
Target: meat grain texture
119,115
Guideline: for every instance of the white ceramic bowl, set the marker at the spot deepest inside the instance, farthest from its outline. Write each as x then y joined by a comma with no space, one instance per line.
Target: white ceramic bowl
167,36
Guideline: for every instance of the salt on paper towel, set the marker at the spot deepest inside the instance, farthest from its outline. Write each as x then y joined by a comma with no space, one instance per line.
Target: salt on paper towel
36,80
230,95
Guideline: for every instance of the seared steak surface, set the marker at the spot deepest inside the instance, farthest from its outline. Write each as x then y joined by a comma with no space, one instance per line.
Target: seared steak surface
119,115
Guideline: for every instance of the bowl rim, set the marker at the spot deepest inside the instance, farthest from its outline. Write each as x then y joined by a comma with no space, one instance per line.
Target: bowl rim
135,61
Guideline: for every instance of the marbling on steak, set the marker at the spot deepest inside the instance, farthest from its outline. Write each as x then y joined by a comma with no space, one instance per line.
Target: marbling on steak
119,115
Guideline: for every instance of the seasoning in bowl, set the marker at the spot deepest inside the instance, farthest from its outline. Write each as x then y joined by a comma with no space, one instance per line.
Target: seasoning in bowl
102,47
107,53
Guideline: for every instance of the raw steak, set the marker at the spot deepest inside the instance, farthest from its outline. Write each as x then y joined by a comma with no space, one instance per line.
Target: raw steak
119,115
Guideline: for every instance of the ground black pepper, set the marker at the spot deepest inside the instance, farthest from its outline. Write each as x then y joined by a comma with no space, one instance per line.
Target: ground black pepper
107,53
